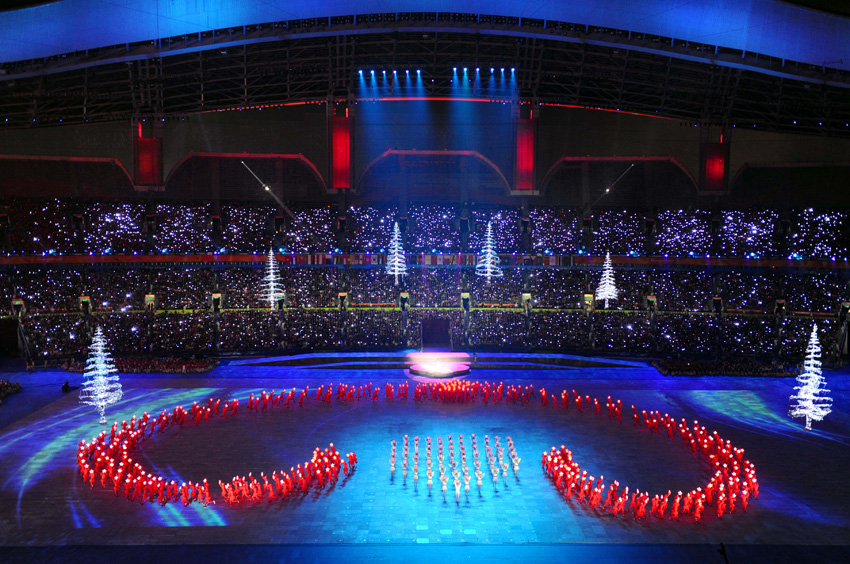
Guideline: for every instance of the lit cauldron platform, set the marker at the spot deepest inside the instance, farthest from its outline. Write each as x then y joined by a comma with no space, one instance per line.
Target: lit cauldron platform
439,365
439,369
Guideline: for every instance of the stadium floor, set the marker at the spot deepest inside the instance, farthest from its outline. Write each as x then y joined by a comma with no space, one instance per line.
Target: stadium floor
47,513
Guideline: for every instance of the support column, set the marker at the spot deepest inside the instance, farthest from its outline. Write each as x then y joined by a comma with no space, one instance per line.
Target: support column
587,217
585,185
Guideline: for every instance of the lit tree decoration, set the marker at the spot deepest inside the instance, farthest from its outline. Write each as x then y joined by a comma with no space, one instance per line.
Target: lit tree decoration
607,290
271,281
812,403
396,264
488,261
100,386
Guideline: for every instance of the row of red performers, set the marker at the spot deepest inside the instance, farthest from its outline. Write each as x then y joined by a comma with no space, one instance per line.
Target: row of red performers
732,483
321,470
463,391
107,458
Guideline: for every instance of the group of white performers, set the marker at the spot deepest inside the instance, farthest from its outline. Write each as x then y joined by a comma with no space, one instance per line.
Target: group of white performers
459,470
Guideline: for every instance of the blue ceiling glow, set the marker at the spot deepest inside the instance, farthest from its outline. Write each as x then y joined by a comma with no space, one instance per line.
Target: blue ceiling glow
770,27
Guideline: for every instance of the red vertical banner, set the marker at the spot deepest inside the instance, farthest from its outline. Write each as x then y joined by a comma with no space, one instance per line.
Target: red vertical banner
341,153
524,154
714,167
148,161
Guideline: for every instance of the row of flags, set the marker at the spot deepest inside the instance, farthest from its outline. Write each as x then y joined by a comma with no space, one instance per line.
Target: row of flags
454,259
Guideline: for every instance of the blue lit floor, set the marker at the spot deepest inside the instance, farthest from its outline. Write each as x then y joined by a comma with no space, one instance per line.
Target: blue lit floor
803,475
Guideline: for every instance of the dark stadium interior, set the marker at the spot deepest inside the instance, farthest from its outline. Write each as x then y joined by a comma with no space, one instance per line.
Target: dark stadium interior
153,156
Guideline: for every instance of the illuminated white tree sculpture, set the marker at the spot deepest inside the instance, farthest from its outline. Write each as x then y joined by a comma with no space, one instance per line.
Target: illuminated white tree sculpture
488,261
396,264
607,290
271,281
100,384
812,403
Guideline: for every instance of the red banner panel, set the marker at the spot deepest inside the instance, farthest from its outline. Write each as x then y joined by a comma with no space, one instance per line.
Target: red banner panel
148,157
341,153
715,167
525,155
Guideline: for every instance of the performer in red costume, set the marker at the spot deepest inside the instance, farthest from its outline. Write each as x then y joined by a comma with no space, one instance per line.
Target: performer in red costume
674,510
699,507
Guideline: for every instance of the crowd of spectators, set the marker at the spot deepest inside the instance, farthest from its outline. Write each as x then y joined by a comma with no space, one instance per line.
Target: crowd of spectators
622,332
555,231
178,333
498,329
505,229
433,229
683,233
371,286
682,290
126,333
117,289
747,290
560,330
557,288
248,331
54,227
311,286
310,231
182,229
748,334
692,334
821,235
815,291
498,291
749,233
43,227
620,232
369,229
150,364
7,293
374,328
311,329
434,287
8,388
121,290
48,289
67,226
52,335
794,335
247,229
182,288
183,364
723,367
240,287
113,228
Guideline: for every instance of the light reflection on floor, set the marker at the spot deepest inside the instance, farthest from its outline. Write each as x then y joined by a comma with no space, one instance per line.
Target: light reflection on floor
38,473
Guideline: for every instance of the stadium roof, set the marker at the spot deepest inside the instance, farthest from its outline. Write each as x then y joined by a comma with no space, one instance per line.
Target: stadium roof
762,63
769,27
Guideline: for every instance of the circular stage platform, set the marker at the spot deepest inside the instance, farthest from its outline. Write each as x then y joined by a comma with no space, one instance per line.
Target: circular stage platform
439,369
